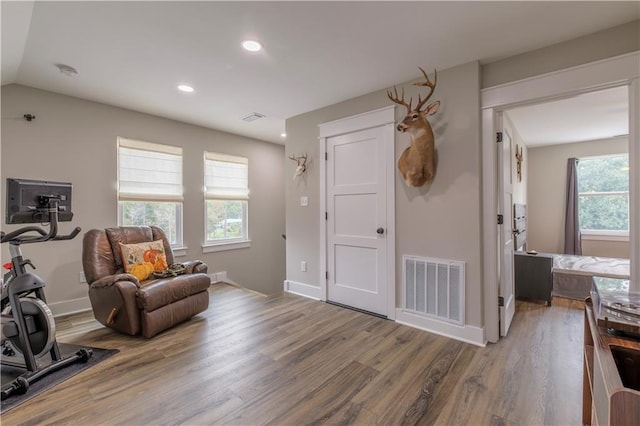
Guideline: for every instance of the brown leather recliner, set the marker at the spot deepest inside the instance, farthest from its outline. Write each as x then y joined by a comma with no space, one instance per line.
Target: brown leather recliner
121,302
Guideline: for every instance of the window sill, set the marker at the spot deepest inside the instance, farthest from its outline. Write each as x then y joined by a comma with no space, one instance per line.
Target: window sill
179,251
210,248
605,235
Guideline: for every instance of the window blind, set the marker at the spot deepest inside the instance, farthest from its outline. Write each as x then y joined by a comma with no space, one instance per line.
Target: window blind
226,177
148,171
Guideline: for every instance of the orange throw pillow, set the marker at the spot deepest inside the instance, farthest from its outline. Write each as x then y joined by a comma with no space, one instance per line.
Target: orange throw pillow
142,259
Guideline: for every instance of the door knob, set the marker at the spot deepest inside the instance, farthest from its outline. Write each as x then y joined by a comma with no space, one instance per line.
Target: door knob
380,231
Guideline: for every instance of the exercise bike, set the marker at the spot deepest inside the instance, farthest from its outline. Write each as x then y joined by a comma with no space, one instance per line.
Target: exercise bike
28,326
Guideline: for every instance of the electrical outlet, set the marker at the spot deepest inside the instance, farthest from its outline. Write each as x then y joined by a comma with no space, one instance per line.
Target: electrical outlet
304,201
303,266
83,279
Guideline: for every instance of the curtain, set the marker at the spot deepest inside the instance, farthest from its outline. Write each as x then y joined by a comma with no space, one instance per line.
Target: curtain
572,243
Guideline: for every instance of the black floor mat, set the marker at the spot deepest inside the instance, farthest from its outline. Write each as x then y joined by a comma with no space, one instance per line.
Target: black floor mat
10,373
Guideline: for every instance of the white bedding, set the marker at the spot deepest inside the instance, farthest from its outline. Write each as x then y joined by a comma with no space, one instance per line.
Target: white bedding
591,265
573,275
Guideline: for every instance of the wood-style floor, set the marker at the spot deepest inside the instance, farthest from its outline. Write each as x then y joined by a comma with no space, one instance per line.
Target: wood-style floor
289,360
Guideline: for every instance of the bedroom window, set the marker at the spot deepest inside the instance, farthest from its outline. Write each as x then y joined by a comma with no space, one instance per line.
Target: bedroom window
603,192
150,187
226,201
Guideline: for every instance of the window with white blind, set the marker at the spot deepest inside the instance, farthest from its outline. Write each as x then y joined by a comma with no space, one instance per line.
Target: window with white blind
226,181
150,186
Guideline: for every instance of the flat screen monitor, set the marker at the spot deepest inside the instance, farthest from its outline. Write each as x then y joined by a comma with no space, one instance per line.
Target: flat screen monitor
27,200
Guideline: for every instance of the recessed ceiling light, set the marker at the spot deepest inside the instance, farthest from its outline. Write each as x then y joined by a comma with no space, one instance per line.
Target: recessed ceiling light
67,70
283,135
251,45
185,88
253,117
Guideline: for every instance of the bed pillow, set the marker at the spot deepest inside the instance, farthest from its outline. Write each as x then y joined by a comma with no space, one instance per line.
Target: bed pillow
142,259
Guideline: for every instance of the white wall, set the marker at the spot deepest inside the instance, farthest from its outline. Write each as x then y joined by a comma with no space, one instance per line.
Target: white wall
519,186
604,44
441,220
605,248
547,192
75,140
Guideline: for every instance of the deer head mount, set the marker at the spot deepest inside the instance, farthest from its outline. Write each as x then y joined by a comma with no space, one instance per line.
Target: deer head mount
301,164
417,163
519,158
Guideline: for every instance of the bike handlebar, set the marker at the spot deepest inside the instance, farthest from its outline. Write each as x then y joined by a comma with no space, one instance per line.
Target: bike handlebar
18,237
71,236
12,235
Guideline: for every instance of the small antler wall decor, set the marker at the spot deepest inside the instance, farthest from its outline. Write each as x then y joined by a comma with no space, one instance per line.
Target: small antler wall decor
301,164
417,163
519,158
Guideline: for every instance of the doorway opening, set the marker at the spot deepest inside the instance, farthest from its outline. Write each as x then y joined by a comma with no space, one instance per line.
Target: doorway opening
619,72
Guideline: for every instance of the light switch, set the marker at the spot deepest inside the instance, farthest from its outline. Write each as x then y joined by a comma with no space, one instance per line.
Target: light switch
304,201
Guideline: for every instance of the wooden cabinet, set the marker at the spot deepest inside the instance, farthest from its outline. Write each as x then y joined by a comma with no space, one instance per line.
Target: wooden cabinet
611,377
533,276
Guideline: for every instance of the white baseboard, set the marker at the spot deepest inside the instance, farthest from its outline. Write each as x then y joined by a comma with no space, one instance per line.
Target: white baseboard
464,333
68,307
302,289
219,277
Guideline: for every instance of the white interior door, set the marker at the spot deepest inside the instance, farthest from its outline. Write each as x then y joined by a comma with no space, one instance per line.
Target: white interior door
357,220
505,208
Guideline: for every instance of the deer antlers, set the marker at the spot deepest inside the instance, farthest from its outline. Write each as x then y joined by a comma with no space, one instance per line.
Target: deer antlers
519,158
301,164
400,100
429,84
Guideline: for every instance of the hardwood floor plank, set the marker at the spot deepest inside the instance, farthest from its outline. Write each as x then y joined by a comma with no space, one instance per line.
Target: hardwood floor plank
349,414
329,398
323,325
471,395
383,327
389,348
400,372
295,377
437,383
414,396
286,359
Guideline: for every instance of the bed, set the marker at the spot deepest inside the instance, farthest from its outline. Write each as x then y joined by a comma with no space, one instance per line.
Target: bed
572,275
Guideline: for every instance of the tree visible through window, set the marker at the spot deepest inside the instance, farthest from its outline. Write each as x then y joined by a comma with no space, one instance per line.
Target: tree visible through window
603,191
226,198
150,187
162,214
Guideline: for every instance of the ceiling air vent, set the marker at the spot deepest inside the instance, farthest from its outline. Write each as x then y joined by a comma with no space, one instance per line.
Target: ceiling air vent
253,117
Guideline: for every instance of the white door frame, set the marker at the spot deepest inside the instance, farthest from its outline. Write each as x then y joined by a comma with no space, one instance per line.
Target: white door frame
383,117
621,70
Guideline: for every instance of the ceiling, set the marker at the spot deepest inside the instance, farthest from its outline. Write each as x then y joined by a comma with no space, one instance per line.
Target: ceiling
134,54
591,116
